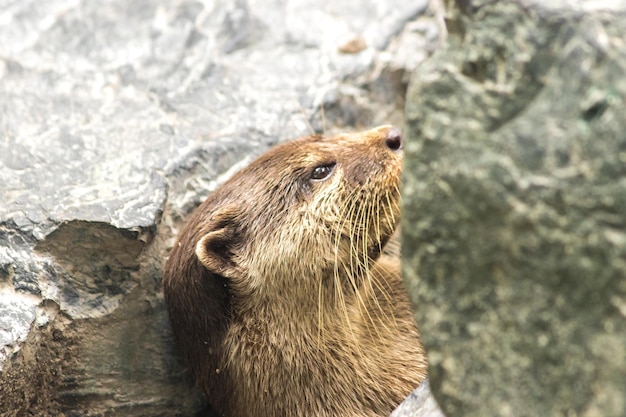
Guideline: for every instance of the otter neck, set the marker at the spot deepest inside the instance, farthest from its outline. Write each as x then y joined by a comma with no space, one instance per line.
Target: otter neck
309,300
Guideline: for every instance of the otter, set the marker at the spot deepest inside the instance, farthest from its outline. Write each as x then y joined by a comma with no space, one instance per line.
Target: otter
282,297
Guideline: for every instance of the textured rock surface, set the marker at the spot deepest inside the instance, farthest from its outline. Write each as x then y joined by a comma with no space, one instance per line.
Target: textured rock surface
116,119
515,209
420,403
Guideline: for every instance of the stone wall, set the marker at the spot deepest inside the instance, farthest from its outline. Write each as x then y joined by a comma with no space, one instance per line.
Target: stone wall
515,209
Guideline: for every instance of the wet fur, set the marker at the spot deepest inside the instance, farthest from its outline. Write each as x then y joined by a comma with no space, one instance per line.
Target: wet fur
280,296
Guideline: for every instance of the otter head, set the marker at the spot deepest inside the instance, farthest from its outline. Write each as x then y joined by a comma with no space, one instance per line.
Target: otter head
308,209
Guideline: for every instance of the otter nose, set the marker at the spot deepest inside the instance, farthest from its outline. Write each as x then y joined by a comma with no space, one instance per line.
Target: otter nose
393,140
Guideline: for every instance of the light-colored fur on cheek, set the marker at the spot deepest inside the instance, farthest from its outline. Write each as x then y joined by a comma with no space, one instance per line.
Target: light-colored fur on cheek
304,231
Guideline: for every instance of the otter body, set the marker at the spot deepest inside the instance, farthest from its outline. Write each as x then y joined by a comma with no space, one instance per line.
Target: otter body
281,298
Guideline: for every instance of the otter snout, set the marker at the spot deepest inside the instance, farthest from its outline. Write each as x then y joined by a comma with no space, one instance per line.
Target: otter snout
393,139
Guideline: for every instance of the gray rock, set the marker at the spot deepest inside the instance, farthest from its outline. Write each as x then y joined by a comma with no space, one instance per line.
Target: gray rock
515,209
420,403
116,119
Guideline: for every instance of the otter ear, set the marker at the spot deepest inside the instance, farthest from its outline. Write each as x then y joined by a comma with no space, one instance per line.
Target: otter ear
215,249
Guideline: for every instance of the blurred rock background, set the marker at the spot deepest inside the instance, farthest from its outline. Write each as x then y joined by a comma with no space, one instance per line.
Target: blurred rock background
515,209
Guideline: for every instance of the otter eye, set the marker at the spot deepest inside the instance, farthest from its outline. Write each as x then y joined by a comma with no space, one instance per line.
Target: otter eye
322,172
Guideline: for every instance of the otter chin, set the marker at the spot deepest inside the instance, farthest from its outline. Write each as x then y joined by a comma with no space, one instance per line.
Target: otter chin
284,297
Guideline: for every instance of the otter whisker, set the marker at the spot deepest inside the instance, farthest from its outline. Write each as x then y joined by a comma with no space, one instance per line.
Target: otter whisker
378,242
352,213
320,312
346,219
377,223
356,346
366,220
338,294
363,260
351,234
374,280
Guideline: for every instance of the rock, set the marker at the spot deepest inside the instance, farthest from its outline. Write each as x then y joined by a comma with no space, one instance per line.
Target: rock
515,209
420,403
118,118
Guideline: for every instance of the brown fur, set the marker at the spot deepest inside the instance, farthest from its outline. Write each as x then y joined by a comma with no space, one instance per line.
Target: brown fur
280,296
